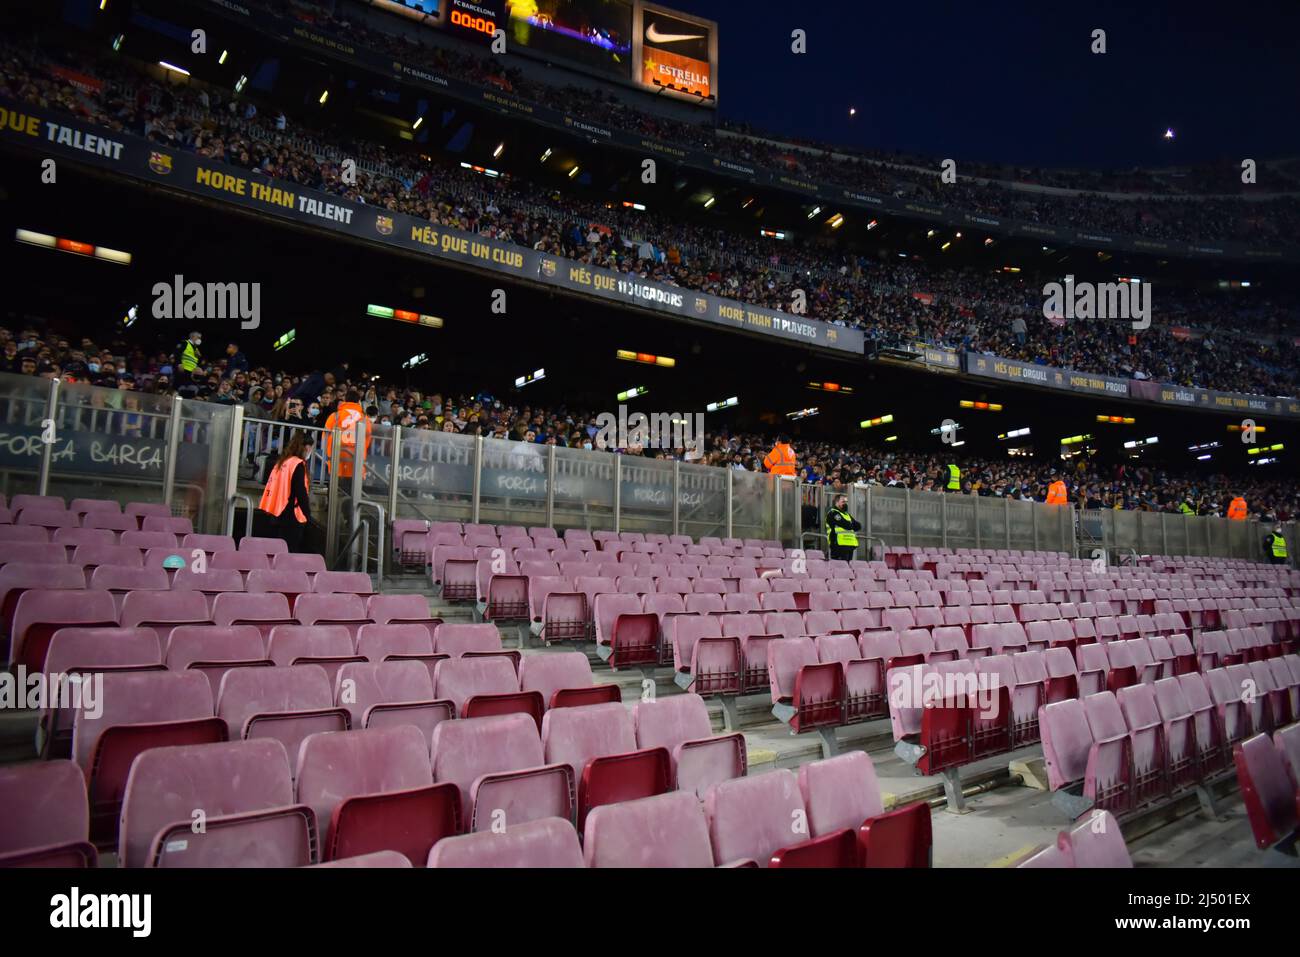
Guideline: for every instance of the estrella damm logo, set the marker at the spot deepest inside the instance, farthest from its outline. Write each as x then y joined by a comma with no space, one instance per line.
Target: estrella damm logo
832,335
548,267
701,304
160,163
384,225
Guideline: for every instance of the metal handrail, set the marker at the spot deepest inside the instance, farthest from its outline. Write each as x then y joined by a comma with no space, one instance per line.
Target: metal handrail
381,517
248,514
362,526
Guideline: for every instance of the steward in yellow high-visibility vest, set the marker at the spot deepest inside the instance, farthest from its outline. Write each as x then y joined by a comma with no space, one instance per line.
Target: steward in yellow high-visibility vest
841,530
1276,545
954,479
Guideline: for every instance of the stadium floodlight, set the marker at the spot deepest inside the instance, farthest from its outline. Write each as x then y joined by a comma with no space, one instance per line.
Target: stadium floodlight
878,420
772,233
946,245
221,60
1116,419
239,84
1014,433
981,406
632,393
284,340
418,121
173,67
947,427
872,225
132,313
103,4
534,376
836,221
798,414
1076,439
815,211
1142,443
325,95
891,438
574,172
546,155
1204,458
414,361
36,239
831,387
1203,446
1234,427
724,404
1265,448
639,207
501,148
117,41
646,358
708,203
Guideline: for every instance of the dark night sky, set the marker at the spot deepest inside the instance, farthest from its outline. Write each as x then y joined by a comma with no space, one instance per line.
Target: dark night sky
1016,81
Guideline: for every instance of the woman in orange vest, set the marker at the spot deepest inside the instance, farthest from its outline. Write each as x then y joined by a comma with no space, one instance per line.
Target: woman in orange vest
781,460
285,508
1237,509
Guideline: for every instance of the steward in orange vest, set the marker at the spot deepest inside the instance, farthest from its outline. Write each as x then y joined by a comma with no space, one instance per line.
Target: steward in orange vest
285,508
1237,509
781,460
1056,494
345,418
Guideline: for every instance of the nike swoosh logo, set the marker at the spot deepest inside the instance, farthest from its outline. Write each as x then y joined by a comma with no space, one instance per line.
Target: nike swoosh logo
654,36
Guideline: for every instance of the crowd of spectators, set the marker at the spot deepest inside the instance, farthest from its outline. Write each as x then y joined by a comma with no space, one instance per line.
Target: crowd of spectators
1160,208
1230,340
226,376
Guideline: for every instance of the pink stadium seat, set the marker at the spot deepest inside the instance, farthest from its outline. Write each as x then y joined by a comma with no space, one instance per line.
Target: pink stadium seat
245,793
286,582
285,704
329,646
680,724
545,843
1272,803
460,680
211,544
599,743
373,790
351,583
40,612
754,817
390,693
297,562
166,523
456,639
667,830
564,680
137,711
498,766
214,650
46,821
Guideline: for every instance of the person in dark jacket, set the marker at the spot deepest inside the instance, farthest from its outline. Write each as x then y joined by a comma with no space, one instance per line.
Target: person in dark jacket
841,529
